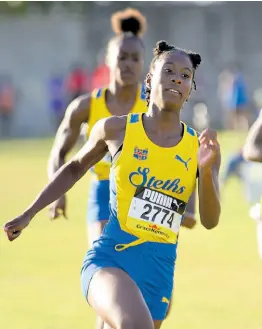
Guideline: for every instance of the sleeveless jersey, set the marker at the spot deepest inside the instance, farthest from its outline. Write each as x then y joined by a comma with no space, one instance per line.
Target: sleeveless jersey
151,185
98,110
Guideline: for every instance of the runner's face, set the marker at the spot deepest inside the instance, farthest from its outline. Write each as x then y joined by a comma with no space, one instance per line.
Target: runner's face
126,61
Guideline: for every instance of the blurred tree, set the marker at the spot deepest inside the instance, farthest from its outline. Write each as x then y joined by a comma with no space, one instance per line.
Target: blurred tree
12,7
45,7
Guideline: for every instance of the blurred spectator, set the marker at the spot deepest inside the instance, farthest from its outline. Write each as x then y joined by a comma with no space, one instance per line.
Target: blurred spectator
77,82
232,92
234,165
100,76
7,103
200,116
56,98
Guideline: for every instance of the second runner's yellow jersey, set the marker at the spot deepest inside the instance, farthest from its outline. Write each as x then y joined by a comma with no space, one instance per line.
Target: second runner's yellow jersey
98,110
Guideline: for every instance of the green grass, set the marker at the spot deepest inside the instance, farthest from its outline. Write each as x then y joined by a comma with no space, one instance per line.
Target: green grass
218,281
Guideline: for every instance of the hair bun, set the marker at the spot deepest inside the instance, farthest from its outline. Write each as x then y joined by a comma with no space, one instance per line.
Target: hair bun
195,58
198,59
160,47
130,24
128,20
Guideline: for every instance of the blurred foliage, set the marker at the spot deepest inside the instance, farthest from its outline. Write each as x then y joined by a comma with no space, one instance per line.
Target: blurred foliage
12,8
46,7
43,7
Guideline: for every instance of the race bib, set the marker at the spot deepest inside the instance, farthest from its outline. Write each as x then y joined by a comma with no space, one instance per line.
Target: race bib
156,215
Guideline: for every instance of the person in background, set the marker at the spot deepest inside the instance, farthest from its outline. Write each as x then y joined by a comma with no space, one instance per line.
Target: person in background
77,82
7,104
233,166
100,76
237,164
232,92
57,99
252,151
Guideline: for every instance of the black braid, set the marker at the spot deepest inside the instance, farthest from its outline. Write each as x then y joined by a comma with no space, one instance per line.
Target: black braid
163,48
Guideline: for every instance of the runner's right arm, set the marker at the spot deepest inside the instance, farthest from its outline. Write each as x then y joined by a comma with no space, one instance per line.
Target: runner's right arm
104,131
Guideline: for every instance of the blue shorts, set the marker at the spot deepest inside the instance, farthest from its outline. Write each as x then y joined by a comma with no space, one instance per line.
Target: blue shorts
98,201
145,264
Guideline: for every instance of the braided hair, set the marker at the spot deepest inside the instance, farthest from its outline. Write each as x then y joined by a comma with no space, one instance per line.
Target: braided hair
163,48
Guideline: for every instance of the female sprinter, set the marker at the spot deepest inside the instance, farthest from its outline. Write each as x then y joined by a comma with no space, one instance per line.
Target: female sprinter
127,276
125,58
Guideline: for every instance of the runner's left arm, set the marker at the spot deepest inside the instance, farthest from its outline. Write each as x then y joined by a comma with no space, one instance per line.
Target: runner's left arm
189,220
209,159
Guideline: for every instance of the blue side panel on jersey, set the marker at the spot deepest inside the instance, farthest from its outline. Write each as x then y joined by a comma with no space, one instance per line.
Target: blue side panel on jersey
99,93
134,118
143,92
190,131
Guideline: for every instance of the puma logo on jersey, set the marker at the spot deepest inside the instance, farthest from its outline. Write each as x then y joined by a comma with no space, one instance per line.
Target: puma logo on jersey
185,163
162,199
174,201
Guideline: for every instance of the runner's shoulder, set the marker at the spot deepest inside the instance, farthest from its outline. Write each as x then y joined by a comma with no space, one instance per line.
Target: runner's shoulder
114,126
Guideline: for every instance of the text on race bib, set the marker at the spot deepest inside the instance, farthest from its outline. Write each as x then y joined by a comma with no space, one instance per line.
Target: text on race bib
157,208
